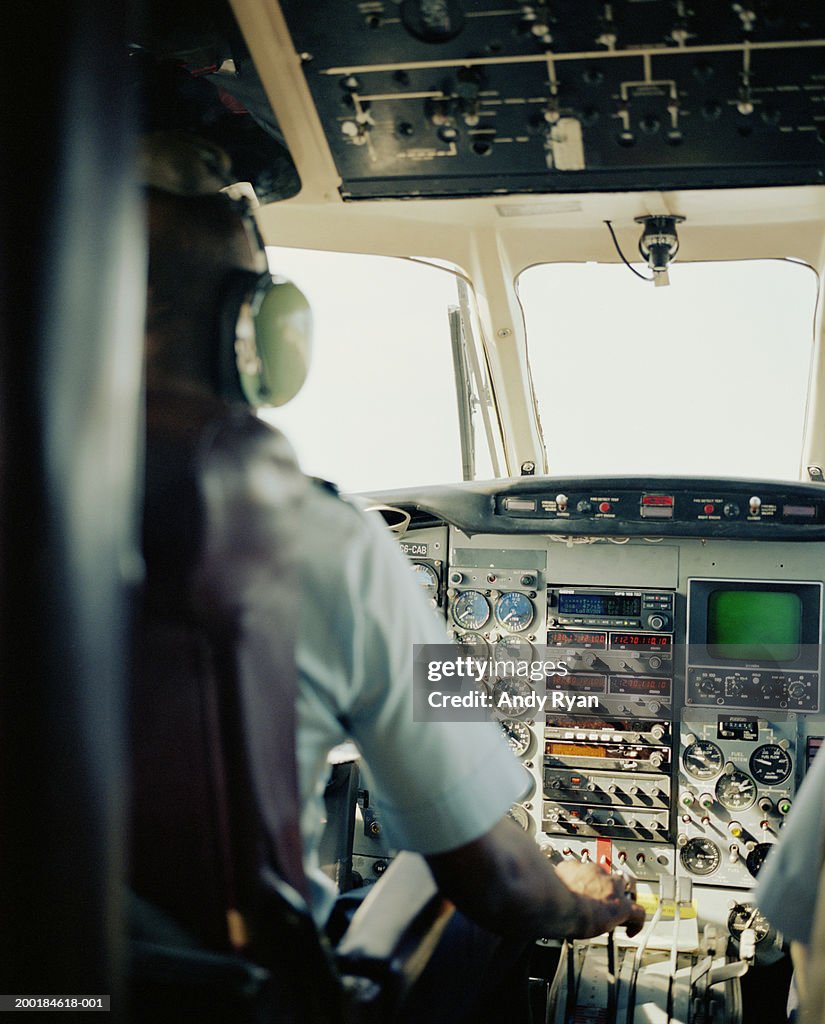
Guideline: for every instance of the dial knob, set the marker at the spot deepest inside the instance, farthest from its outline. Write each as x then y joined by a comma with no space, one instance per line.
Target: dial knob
656,622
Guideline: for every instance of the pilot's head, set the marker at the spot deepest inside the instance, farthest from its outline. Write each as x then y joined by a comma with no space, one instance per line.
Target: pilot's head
216,319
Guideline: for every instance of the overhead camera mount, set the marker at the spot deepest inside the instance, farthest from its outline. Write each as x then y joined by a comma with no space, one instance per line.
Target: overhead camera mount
659,244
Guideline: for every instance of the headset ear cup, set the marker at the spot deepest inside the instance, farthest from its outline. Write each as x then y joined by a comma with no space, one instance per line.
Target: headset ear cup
234,319
283,340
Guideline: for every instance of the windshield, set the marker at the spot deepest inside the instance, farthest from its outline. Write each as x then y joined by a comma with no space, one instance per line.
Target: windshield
379,409
708,376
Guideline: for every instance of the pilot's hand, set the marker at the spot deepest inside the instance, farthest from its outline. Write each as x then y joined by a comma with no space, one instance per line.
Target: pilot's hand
606,900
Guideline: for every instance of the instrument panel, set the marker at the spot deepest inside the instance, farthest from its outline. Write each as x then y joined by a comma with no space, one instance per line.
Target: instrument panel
462,97
687,703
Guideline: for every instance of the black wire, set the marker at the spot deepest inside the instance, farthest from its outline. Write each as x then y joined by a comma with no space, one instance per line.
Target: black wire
619,251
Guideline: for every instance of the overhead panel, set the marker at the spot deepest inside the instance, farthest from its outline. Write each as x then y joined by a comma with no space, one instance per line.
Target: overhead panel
475,97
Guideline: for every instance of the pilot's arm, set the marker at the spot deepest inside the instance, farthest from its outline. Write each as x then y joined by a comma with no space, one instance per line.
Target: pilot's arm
443,788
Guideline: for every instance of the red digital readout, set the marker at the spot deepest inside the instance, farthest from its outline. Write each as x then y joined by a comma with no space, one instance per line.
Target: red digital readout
639,641
582,683
576,638
639,684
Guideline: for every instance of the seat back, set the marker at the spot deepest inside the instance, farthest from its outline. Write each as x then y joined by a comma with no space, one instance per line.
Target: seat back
216,842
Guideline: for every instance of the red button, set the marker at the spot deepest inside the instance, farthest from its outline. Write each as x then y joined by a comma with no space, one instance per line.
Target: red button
604,506
709,510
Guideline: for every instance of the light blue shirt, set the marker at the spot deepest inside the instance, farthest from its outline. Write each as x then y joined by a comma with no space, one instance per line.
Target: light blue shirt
787,887
438,784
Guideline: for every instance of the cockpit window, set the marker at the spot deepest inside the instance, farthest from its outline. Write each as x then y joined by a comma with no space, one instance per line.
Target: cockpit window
708,376
379,409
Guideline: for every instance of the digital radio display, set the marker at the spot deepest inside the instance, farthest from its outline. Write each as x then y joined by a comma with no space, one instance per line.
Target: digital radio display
613,605
576,638
580,683
639,684
639,642
574,750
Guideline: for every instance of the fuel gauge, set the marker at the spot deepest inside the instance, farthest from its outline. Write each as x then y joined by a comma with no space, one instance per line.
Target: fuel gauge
735,790
770,765
702,759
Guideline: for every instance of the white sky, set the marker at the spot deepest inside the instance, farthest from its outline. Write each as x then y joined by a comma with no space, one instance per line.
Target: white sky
708,376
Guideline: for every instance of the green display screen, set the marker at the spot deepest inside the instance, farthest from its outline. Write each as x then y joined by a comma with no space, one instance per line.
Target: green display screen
754,625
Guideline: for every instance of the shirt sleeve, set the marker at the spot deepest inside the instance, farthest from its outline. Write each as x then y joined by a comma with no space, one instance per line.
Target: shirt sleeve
787,887
438,784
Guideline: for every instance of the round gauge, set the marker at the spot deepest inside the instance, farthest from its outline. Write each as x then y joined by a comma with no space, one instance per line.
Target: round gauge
770,764
471,610
516,648
700,856
521,816
426,575
513,697
735,791
745,916
518,736
514,611
756,858
702,759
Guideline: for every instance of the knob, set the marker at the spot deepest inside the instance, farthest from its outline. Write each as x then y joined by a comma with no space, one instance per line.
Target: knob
655,760
584,507
653,707
656,622
730,510
655,661
528,581
795,692
657,732
456,577
681,839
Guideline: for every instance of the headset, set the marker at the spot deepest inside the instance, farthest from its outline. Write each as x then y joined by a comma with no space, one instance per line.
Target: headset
264,342
264,323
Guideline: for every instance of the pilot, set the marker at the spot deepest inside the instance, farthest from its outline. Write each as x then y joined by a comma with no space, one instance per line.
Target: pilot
443,788
790,890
